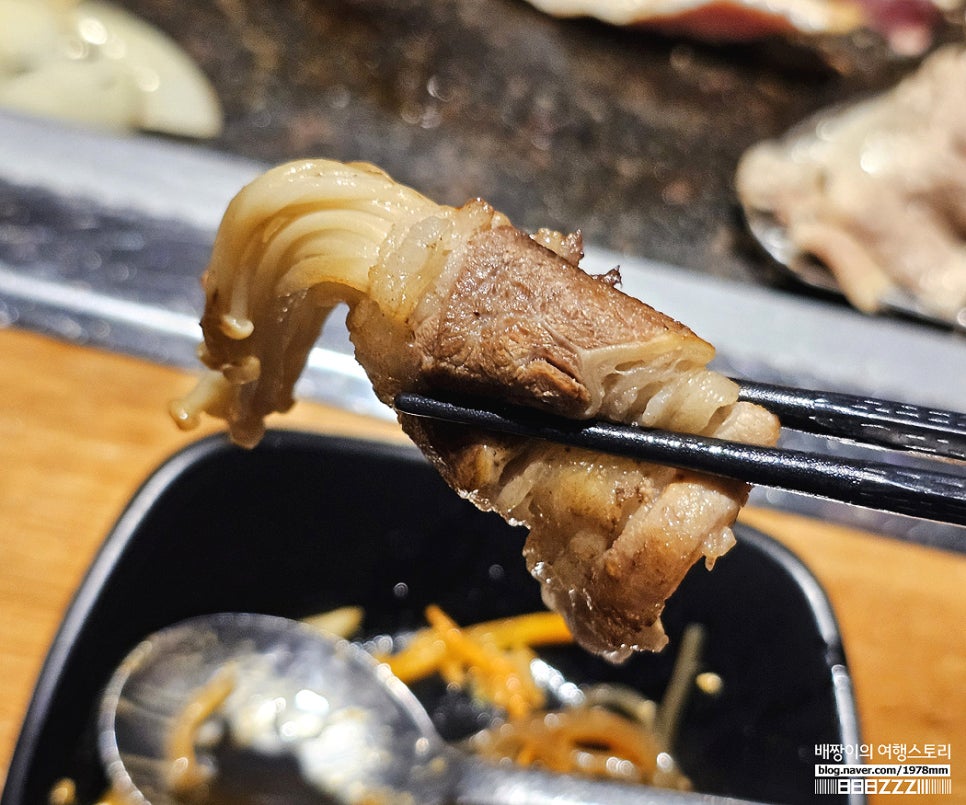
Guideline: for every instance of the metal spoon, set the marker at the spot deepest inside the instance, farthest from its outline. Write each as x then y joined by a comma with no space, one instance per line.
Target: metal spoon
307,718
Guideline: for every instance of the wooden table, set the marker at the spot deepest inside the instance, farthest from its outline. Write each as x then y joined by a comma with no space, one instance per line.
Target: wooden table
81,429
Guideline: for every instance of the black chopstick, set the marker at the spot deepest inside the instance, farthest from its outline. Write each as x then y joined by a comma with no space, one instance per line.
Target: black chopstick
924,493
866,420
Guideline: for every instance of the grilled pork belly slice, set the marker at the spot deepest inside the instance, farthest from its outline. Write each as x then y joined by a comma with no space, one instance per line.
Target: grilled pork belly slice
457,300
876,190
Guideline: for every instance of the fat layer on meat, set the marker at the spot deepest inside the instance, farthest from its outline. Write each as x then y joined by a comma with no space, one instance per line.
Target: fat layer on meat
445,300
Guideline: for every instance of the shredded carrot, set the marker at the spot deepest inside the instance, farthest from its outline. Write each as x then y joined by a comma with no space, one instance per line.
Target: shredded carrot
491,658
500,677
591,740
533,629
421,657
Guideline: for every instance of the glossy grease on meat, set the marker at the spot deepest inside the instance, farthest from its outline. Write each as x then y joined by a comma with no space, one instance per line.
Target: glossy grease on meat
457,300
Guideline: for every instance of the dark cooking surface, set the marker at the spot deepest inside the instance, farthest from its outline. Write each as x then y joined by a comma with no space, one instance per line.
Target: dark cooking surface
569,124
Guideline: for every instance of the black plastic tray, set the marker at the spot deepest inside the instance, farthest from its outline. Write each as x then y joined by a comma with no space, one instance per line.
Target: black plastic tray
306,523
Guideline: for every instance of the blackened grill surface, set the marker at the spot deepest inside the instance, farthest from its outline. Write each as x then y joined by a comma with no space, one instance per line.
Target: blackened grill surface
631,137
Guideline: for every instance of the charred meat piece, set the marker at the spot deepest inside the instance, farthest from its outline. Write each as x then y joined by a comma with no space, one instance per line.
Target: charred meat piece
457,300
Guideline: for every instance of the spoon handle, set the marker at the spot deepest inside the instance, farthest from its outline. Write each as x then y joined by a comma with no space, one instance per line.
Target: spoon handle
485,784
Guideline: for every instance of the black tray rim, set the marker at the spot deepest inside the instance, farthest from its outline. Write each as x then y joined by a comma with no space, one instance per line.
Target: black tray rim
149,494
